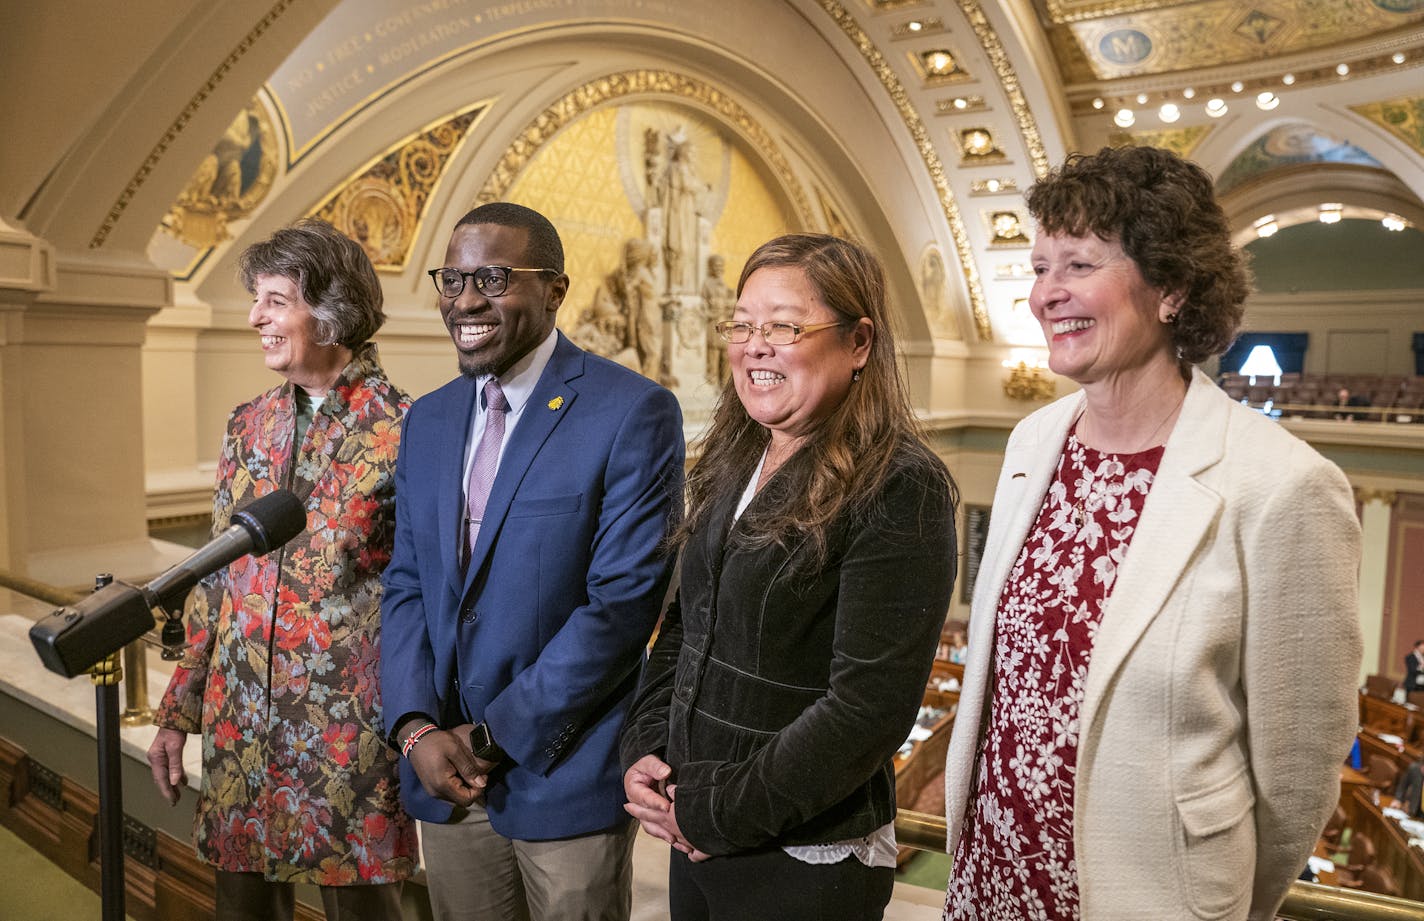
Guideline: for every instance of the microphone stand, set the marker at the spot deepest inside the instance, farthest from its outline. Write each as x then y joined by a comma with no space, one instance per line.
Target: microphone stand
106,675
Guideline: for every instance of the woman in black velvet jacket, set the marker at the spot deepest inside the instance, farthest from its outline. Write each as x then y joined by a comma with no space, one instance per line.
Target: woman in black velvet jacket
818,556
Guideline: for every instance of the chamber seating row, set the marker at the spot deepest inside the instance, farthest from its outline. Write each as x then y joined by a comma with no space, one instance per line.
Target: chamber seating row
1373,398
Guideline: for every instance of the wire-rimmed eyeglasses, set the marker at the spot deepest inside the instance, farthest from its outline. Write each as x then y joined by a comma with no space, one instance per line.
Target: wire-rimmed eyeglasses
490,280
739,331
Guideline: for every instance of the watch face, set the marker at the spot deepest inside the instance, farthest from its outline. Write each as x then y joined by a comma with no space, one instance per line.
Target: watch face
482,744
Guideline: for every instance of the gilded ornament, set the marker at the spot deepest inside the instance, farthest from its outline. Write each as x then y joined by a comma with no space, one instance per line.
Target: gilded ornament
1009,81
382,206
230,182
886,74
556,403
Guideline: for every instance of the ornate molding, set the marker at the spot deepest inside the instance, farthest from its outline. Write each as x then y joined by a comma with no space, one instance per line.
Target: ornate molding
642,83
181,121
928,154
1009,80
382,205
1366,495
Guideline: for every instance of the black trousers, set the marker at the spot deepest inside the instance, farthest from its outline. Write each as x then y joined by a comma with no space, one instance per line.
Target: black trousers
250,897
772,885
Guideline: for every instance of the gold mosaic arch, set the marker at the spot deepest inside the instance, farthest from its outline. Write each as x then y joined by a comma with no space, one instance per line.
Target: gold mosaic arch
382,205
647,83
1403,117
933,165
181,121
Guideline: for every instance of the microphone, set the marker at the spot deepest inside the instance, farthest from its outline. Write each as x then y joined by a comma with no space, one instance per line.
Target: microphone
74,637
262,525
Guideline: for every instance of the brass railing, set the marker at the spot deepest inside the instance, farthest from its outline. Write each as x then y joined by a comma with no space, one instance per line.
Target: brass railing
135,661
1304,902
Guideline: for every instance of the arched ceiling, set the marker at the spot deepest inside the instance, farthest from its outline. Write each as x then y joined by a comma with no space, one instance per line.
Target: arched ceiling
921,120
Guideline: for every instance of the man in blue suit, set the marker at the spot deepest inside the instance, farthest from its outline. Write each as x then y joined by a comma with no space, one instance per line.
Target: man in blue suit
532,497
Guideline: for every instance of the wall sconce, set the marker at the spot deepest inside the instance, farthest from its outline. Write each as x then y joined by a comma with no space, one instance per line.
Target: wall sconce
1028,379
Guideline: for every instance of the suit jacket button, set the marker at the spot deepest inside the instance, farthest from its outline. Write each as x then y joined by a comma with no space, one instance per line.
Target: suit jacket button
468,615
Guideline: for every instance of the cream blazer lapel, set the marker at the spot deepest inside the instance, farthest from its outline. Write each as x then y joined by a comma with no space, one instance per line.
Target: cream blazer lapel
1176,518
1030,460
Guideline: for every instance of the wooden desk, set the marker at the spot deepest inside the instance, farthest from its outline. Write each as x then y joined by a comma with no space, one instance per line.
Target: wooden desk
1372,744
943,668
1392,850
942,700
1401,720
1326,877
1350,781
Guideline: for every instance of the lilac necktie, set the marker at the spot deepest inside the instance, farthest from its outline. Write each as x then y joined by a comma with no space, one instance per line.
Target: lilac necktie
486,462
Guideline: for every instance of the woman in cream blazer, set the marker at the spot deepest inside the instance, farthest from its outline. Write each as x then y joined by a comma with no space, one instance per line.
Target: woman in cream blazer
1219,699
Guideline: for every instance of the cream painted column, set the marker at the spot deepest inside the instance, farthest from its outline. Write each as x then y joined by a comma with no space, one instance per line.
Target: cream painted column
178,481
1375,508
26,269
74,422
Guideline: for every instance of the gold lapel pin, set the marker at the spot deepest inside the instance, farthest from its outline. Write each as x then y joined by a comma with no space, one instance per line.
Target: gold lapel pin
556,402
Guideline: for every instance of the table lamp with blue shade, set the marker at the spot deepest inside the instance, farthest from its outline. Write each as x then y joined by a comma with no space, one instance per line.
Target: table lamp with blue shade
1261,361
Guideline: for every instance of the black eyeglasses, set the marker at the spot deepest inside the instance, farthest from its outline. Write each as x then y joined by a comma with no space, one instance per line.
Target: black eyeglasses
490,280
739,331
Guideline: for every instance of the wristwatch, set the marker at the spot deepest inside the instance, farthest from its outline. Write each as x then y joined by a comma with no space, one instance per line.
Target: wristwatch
483,745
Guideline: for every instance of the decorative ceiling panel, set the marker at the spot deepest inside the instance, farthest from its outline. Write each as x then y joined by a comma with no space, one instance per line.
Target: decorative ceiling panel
1101,41
1403,117
1181,141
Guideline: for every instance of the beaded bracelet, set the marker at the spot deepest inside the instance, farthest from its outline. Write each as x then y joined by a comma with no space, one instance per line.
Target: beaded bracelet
414,737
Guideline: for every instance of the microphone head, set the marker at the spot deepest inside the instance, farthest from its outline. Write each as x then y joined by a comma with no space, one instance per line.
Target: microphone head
272,520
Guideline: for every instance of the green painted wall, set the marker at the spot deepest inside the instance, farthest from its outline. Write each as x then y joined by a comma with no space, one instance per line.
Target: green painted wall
1353,255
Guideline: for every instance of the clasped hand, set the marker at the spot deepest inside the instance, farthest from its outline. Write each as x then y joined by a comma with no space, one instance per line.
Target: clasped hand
447,768
652,801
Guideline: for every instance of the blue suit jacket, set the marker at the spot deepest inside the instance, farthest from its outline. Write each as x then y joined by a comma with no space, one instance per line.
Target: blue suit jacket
543,636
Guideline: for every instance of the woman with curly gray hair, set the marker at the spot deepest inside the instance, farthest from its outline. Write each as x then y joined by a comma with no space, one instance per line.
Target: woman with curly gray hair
1160,564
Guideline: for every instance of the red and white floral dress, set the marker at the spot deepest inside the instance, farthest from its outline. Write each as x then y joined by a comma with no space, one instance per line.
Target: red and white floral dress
1015,858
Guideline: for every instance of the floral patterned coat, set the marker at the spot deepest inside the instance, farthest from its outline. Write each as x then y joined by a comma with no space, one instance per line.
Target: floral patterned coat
281,670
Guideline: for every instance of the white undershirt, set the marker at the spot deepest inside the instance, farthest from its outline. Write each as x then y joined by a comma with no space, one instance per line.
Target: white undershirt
877,849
